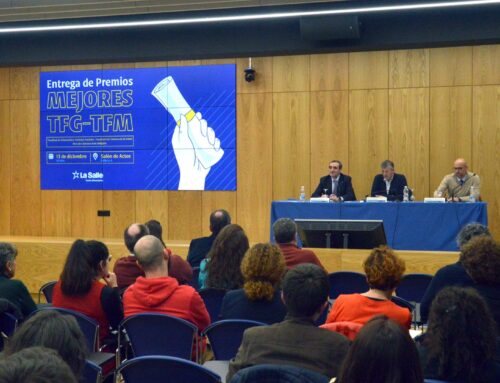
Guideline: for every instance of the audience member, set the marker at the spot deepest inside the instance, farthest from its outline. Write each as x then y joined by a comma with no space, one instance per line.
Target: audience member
221,268
296,341
285,234
454,274
156,292
460,341
11,289
52,330
126,268
178,268
79,287
199,247
262,267
383,269
382,352
35,365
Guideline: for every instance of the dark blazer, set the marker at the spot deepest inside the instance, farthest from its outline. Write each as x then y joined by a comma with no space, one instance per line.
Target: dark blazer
295,341
344,187
198,250
398,184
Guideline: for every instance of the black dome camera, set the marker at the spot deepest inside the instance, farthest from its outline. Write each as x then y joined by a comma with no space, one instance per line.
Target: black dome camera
249,72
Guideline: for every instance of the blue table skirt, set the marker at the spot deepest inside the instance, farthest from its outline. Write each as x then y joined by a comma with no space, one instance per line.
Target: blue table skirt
408,226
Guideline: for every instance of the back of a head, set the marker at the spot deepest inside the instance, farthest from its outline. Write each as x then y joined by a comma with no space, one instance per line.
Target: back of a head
218,220
382,352
284,230
262,267
35,365
154,228
132,234
383,269
481,259
305,290
82,266
461,334
50,329
150,253
8,253
225,256
470,231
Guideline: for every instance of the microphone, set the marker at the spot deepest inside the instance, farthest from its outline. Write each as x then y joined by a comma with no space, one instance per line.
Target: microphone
452,193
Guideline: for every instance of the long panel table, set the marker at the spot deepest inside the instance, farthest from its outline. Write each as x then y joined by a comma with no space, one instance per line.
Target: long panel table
408,225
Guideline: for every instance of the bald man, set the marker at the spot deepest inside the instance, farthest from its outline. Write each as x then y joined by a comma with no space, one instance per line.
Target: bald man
157,292
457,185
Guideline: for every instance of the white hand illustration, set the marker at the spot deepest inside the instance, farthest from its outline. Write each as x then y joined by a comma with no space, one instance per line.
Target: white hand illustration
196,150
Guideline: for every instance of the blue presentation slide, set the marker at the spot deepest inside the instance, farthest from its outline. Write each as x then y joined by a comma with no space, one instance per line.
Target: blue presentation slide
139,129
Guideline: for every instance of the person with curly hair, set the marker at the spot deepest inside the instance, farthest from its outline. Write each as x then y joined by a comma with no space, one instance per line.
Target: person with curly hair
383,269
382,352
263,267
460,341
221,268
454,274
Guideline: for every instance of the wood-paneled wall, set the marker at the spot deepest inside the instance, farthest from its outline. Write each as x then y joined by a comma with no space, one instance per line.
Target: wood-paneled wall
421,108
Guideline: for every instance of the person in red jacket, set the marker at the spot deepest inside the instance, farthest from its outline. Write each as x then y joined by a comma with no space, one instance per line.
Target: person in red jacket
157,292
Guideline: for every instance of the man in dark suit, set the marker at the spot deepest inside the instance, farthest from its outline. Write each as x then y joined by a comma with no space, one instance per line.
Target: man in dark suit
296,341
337,186
199,247
389,184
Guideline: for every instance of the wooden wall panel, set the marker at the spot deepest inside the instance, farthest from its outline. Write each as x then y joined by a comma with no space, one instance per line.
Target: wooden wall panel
4,83
450,130
329,132
450,66
485,153
152,205
121,203
263,77
486,64
330,71
184,215
409,136
5,167
56,213
368,137
24,83
291,144
25,213
84,220
368,70
255,164
290,73
409,68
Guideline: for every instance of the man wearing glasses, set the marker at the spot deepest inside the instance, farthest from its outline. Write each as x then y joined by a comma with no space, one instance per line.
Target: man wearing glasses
459,185
336,186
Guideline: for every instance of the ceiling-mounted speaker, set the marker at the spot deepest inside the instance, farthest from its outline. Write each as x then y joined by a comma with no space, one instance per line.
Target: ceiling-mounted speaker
335,27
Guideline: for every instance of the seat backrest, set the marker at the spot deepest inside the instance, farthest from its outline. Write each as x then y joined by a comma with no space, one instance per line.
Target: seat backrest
160,369
225,336
213,301
346,282
46,290
8,324
92,373
349,329
268,373
194,283
160,334
413,286
403,303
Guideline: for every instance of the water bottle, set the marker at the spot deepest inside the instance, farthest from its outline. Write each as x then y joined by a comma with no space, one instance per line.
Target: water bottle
473,194
302,195
406,194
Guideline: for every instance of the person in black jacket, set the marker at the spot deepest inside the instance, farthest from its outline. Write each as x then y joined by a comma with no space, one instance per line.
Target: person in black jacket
337,186
389,184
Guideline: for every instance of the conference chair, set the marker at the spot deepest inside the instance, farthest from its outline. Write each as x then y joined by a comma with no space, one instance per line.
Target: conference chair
46,290
412,288
161,369
346,282
349,329
436,381
92,373
403,303
269,373
8,325
160,334
225,336
194,283
213,301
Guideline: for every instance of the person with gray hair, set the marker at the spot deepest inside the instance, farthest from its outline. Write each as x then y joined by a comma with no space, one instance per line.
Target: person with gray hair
454,274
285,234
157,292
13,290
388,184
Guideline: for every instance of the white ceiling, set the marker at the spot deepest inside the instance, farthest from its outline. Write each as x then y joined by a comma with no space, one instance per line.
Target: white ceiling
23,10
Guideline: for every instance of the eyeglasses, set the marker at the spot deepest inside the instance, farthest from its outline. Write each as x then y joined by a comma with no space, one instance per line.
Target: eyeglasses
457,168
333,167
